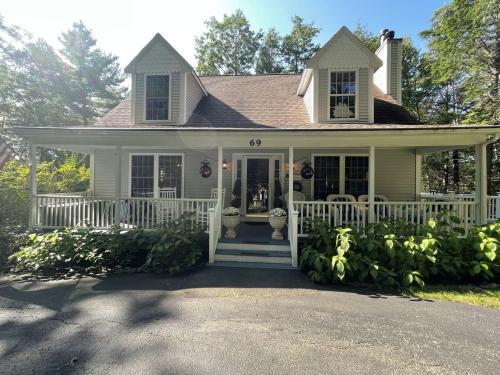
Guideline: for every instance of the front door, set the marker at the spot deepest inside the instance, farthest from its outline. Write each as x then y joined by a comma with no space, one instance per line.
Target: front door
258,188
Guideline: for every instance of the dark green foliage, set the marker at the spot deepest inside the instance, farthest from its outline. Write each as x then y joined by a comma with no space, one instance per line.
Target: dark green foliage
298,46
172,249
398,254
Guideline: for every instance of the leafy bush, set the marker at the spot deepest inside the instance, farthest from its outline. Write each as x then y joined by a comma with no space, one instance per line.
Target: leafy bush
395,253
173,248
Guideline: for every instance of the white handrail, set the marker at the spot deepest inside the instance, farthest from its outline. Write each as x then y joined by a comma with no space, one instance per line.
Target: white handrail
214,230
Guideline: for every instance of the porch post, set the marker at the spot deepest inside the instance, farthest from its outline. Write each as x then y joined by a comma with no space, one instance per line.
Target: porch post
290,180
220,159
371,185
118,185
418,177
481,185
32,219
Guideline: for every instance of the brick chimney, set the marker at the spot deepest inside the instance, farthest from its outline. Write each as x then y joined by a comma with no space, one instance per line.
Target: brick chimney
388,76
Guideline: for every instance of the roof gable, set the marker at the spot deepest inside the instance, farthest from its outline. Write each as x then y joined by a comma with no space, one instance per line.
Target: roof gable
344,49
158,55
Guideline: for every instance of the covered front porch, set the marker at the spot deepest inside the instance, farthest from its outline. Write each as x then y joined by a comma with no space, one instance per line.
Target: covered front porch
356,179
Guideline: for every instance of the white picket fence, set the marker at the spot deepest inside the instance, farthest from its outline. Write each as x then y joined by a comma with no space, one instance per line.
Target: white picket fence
54,211
355,214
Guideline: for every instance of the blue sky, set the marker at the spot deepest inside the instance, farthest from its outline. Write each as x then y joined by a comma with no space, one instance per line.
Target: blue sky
124,27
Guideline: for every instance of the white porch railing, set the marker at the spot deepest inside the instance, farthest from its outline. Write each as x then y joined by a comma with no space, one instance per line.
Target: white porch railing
53,211
334,213
355,214
214,229
493,212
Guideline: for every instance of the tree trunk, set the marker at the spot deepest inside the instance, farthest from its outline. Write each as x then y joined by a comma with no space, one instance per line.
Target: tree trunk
456,171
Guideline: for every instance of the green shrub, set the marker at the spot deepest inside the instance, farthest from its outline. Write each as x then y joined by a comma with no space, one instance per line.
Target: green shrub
173,248
395,253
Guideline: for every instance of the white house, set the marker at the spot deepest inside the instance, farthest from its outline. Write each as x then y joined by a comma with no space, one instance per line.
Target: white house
335,134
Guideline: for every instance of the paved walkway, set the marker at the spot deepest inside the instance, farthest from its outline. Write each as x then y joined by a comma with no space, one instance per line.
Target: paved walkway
235,321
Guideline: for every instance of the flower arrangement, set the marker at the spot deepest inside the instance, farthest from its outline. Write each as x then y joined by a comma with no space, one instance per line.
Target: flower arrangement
230,211
277,212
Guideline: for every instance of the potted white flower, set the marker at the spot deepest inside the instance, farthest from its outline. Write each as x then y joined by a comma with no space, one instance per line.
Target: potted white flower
277,219
230,219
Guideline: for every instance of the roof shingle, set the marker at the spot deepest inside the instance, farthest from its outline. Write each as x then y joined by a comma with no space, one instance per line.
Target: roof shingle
258,101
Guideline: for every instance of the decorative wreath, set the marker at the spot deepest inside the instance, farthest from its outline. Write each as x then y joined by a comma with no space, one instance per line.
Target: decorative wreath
205,169
307,171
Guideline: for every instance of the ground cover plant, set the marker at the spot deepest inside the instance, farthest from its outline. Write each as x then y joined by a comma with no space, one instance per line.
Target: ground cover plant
176,247
397,254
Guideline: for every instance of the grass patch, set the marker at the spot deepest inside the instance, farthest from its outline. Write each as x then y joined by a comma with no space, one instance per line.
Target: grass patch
488,296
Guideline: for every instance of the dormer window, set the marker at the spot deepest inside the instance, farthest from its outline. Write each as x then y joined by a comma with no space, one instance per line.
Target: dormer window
342,95
158,97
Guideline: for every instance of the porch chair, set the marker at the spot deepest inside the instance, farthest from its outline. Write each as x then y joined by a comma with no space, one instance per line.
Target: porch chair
380,211
297,196
168,192
344,213
213,194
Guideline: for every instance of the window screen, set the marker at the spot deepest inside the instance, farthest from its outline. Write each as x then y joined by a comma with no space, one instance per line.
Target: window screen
326,176
142,176
157,97
356,175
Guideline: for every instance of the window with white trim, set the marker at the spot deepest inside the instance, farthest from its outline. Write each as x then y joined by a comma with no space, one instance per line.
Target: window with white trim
149,173
342,95
340,174
157,97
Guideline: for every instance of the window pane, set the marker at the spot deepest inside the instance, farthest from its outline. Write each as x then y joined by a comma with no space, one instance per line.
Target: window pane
157,97
356,175
343,95
142,177
326,176
170,173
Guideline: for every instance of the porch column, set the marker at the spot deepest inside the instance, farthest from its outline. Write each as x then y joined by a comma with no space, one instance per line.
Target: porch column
481,197
290,180
418,177
118,184
371,185
220,161
32,219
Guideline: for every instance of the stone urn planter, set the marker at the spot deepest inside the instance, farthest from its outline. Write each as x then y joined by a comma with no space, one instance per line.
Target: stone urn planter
230,219
277,219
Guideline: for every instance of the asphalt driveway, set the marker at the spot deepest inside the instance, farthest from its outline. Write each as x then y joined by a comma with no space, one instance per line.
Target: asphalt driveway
235,321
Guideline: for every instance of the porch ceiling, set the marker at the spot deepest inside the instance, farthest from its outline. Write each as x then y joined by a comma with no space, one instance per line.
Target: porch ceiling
423,139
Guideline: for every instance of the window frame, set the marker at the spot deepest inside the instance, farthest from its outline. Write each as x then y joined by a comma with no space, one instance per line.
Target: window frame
341,156
356,95
156,177
144,104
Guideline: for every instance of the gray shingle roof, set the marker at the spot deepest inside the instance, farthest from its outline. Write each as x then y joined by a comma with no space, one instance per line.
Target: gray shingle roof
259,101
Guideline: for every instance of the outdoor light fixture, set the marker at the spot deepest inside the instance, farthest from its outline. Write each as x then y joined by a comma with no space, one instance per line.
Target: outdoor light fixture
225,165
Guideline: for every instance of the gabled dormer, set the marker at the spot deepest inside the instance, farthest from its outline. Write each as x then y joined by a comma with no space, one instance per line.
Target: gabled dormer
165,88
337,83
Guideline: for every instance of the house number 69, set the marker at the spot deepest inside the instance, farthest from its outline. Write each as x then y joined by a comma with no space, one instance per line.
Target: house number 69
255,142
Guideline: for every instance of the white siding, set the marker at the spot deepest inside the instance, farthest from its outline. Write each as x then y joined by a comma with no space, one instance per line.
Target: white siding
363,85
343,54
160,58
104,173
309,99
194,93
394,171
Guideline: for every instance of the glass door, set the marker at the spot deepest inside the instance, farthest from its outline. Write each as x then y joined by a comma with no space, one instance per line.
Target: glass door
258,192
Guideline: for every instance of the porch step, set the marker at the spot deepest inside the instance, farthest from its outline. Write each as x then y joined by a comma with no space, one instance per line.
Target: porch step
253,256
276,266
253,246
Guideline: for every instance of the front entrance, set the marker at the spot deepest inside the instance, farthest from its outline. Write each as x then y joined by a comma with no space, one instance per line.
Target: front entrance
260,184
257,186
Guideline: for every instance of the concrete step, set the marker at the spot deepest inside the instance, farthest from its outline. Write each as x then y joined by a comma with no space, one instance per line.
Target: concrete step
252,258
252,246
262,253
276,266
